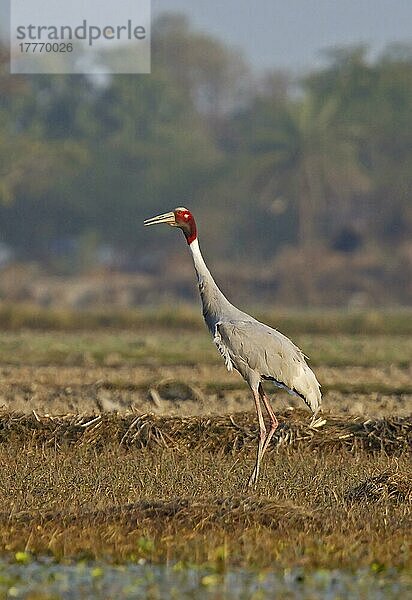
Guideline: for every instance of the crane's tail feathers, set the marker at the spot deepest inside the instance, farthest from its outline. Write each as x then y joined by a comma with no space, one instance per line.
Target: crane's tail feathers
311,399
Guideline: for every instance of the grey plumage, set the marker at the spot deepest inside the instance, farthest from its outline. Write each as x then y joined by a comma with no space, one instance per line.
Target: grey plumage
258,350
254,349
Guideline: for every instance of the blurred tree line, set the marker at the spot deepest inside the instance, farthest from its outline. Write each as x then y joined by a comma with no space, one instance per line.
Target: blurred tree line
304,181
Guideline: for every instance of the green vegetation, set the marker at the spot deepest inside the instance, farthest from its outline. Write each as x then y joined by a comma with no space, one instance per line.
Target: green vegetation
163,347
188,317
315,185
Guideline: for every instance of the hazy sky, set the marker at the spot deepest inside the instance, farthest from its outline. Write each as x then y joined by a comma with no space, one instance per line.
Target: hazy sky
288,33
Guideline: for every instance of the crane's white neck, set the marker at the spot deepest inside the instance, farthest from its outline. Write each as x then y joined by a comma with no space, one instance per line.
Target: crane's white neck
198,261
215,304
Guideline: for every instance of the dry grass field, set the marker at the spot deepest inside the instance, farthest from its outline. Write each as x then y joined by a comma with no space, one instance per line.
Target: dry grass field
125,439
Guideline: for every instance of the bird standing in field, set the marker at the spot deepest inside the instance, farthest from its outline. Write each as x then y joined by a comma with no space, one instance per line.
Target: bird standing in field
254,349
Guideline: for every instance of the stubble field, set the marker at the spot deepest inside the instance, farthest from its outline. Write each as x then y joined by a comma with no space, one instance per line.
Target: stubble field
124,439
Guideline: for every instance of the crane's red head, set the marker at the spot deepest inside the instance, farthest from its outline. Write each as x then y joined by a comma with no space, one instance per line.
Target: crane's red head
180,217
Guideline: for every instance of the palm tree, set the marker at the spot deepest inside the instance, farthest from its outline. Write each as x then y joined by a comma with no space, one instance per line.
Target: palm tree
306,162
306,159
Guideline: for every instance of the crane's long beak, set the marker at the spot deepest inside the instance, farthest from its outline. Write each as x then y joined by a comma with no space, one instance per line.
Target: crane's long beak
165,218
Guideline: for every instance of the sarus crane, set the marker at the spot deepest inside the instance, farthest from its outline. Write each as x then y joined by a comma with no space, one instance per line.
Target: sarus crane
254,349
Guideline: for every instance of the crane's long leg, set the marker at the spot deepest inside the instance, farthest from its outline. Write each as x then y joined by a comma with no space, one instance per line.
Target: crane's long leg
273,420
262,437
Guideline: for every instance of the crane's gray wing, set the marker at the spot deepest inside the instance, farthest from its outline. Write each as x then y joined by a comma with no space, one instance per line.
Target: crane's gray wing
256,346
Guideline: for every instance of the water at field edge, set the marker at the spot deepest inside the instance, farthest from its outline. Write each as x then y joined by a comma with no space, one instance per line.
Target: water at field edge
44,579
